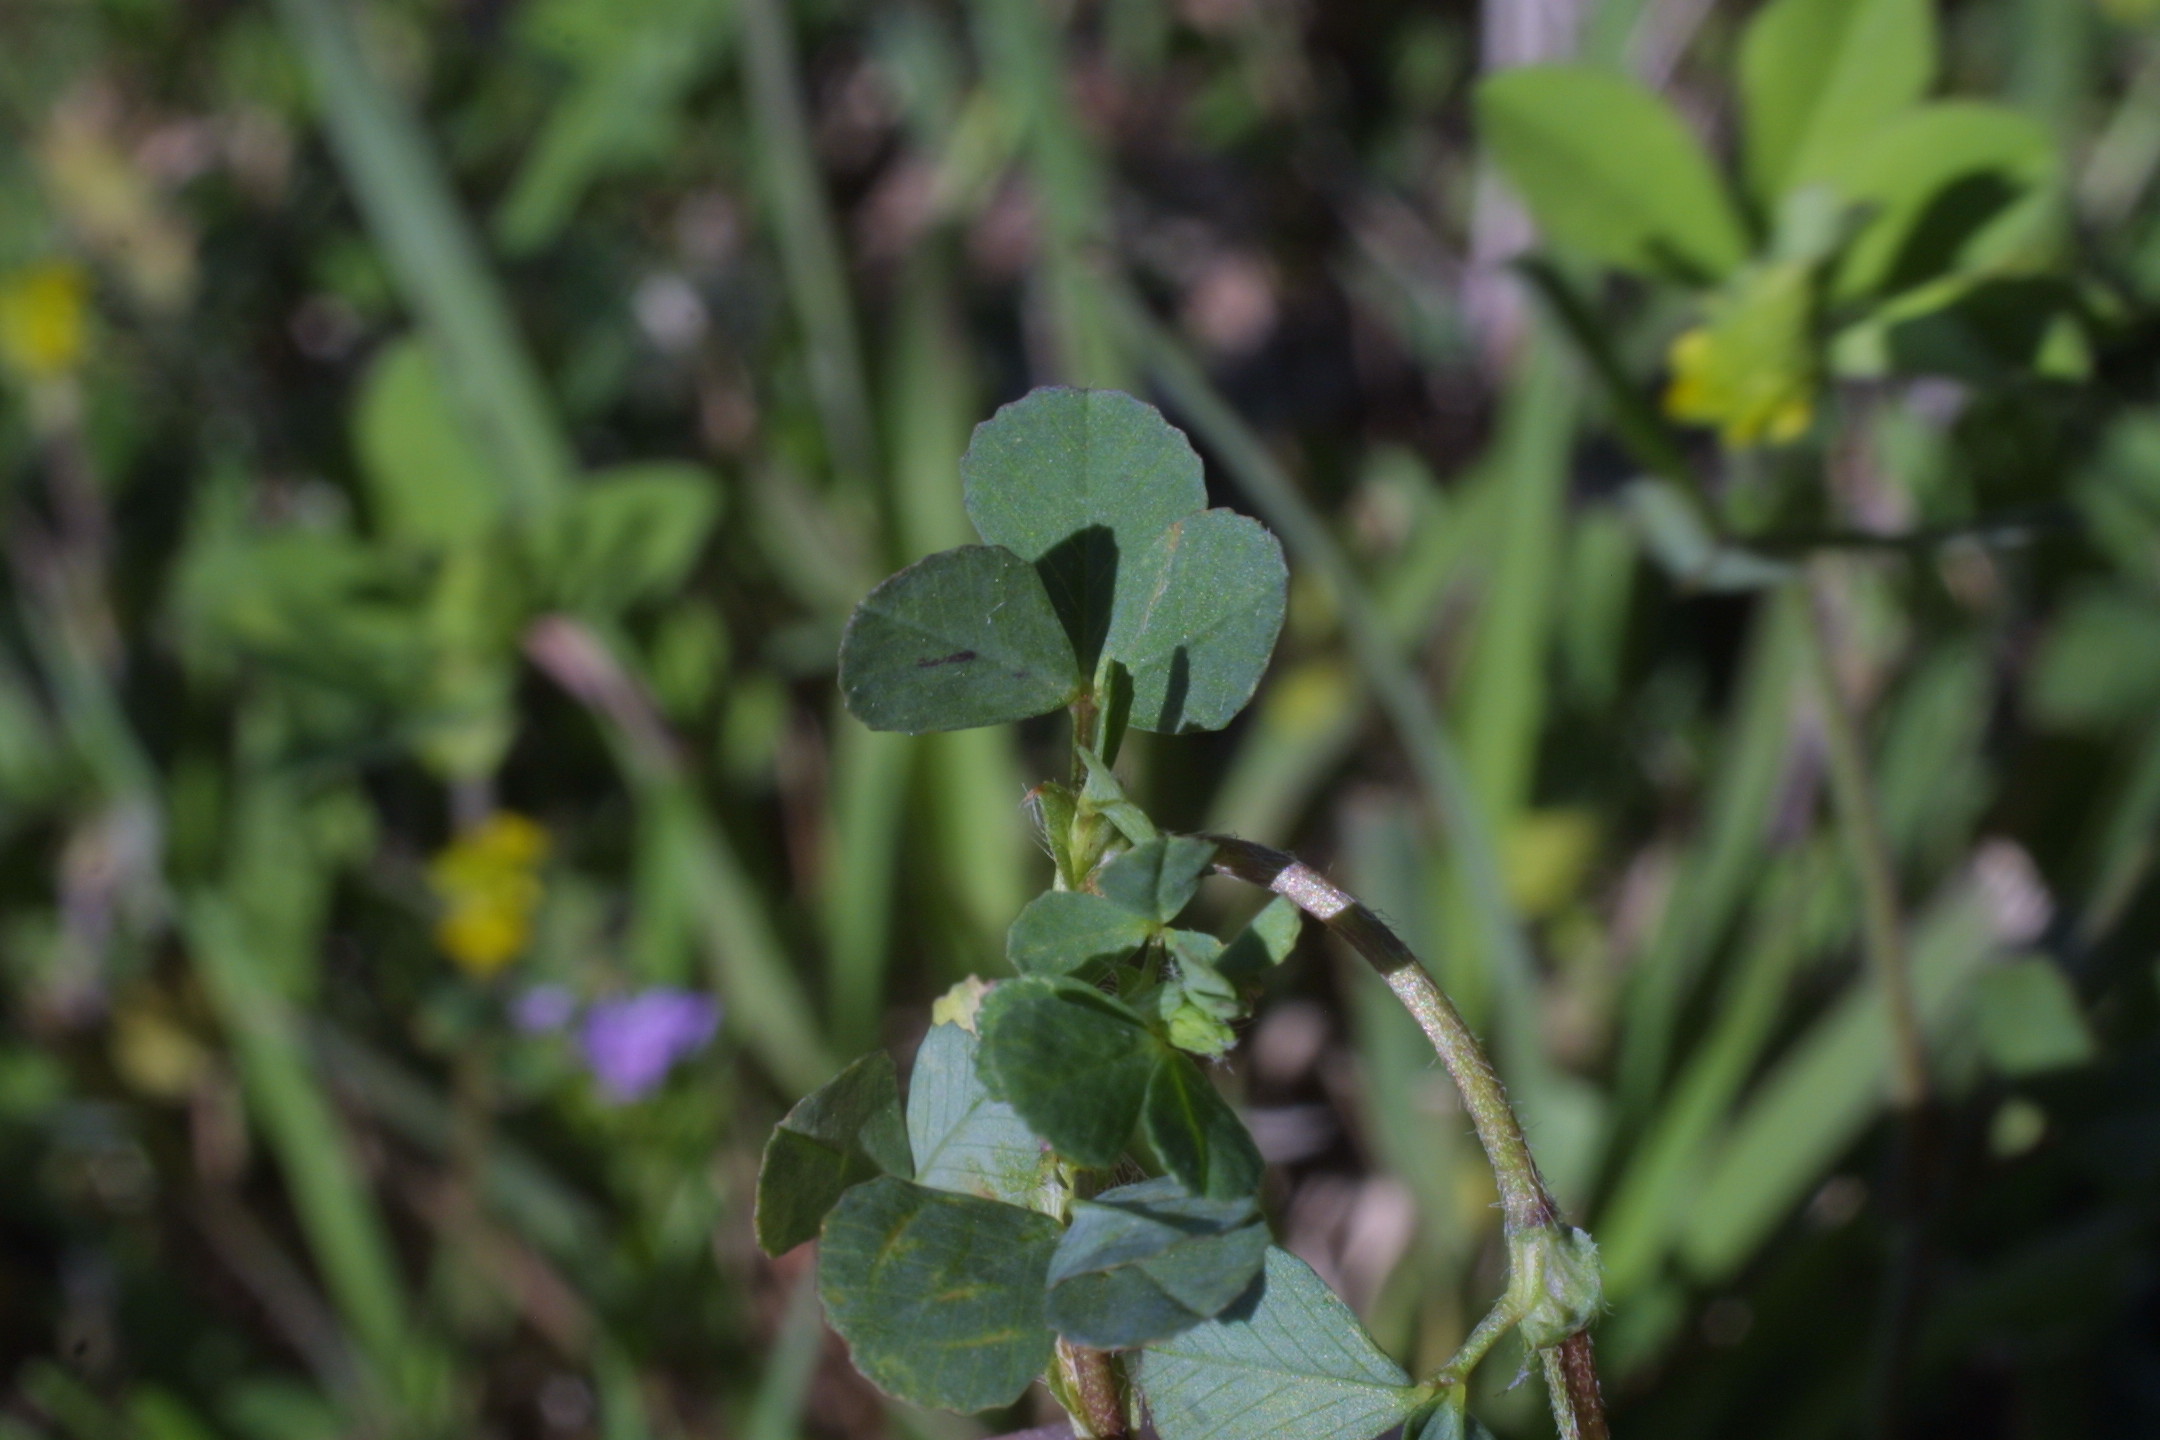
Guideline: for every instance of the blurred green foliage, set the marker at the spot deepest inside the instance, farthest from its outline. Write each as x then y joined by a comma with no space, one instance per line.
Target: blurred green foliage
417,415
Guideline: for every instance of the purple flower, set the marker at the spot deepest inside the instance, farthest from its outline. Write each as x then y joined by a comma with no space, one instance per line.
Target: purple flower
543,1008
632,1043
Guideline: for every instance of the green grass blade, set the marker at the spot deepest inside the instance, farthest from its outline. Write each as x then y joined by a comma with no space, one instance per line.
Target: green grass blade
1825,1091
1723,862
810,255
434,255
869,782
777,1407
345,1233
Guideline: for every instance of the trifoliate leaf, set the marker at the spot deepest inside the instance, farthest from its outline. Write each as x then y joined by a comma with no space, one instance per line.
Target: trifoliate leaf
1157,879
1145,1262
1072,1061
963,1140
1106,498
845,1132
939,1296
1292,1360
966,637
1070,932
1081,482
1198,610
1196,1134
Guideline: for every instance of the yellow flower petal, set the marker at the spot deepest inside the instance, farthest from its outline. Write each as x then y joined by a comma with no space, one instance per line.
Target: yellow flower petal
43,317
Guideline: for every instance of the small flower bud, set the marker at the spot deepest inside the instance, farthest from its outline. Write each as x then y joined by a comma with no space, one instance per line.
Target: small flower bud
1557,1280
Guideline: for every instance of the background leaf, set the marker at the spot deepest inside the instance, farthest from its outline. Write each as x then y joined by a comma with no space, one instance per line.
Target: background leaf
1949,186
1819,79
428,487
939,1296
964,638
1295,1361
630,534
1608,170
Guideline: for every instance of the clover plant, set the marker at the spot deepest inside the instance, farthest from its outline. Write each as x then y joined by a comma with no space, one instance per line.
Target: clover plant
1062,1192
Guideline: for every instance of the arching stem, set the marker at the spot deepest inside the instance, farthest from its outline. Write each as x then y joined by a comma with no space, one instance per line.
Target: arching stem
1527,1209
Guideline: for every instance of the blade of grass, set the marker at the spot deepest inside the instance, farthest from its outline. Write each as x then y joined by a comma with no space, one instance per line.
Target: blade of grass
1501,701
1020,47
1638,1225
1833,1081
330,1195
1309,716
810,254
869,781
1722,864
777,1406
970,796
436,259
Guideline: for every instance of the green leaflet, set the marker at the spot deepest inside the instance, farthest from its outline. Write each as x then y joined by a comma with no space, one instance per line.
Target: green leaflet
1195,1133
966,637
1820,78
939,1296
845,1132
1080,482
964,1141
1070,932
1607,168
1293,1361
1199,1003
1196,618
1264,943
1144,1262
1072,1061
1157,878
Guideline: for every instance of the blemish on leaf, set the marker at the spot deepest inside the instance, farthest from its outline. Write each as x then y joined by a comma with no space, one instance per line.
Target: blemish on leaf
958,657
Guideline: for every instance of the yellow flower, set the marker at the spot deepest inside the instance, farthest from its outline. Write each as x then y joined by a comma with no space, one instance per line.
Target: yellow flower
1749,368
489,884
43,310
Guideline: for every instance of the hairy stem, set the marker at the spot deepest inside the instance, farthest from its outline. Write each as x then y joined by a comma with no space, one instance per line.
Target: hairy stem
1525,1204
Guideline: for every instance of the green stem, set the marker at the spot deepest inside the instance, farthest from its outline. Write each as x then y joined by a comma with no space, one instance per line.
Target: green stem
1868,849
1525,1204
